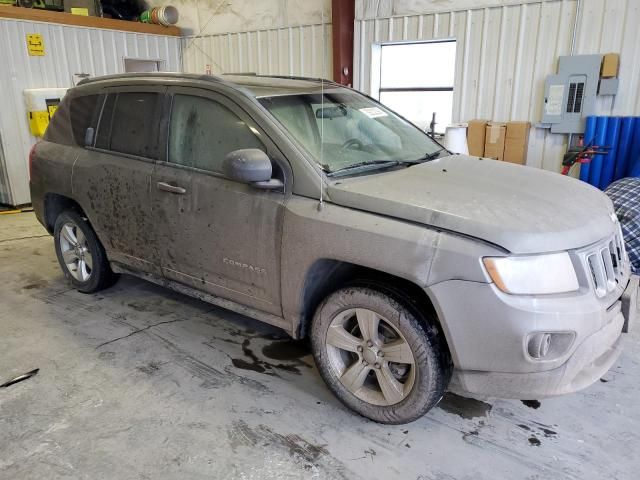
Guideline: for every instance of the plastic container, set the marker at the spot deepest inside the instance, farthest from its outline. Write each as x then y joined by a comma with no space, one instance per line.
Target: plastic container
600,141
589,138
41,104
624,147
455,138
633,165
609,160
161,16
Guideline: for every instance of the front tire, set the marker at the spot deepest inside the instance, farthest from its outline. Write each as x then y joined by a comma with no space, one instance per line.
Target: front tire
379,355
80,254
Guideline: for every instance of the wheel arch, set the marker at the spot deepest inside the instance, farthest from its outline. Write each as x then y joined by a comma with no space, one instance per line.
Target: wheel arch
326,276
54,205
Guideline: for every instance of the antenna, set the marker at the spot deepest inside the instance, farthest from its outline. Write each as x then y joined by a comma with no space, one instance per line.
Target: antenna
324,65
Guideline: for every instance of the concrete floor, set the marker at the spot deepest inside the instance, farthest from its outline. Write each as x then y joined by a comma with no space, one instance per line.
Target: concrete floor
140,382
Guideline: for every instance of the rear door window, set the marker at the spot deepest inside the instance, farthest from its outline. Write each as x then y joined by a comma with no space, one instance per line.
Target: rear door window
203,132
130,123
103,137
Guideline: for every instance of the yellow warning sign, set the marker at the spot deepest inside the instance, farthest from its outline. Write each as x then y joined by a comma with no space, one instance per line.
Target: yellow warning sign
35,44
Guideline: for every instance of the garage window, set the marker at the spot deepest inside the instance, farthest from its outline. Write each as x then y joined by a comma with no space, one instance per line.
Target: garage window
203,132
416,80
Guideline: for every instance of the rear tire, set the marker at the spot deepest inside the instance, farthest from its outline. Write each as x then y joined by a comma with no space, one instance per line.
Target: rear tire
80,254
379,355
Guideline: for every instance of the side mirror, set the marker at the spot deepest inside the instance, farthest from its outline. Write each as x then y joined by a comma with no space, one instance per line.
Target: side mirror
250,165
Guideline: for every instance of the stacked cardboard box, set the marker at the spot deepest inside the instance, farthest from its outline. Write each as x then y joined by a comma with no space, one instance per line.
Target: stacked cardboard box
516,142
475,137
494,140
499,141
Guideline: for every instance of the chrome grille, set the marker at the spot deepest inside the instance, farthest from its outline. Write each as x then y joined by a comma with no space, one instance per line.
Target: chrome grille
606,263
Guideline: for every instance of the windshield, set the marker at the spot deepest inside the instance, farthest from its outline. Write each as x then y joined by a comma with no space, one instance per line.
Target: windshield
348,129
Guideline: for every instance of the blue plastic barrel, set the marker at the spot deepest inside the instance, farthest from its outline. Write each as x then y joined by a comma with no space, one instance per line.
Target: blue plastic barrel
609,160
624,147
633,165
596,163
589,137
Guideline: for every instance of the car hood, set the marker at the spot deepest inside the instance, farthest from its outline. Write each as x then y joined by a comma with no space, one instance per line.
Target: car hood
521,209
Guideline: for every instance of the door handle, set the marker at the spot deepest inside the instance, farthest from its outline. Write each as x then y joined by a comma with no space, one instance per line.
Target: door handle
171,188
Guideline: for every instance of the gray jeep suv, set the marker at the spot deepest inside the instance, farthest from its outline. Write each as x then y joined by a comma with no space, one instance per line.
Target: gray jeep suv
312,207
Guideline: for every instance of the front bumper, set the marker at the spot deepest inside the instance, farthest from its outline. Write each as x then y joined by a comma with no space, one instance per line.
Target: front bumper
589,362
487,335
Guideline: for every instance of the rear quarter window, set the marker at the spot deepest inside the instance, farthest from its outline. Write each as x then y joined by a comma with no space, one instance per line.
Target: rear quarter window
83,110
69,124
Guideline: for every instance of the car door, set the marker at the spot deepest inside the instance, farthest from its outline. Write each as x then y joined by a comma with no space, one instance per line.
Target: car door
112,176
216,234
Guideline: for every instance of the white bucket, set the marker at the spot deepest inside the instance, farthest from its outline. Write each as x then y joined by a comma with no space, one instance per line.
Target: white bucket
168,15
455,138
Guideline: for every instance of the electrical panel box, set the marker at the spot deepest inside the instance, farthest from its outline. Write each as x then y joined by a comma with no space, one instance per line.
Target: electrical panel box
570,96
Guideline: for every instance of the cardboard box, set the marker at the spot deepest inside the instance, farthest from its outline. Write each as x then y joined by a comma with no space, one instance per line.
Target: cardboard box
517,142
494,139
476,131
610,65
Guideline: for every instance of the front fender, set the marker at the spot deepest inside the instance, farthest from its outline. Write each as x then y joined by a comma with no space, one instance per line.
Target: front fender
414,252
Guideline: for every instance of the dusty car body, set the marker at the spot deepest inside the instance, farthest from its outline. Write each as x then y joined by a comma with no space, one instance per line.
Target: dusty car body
471,248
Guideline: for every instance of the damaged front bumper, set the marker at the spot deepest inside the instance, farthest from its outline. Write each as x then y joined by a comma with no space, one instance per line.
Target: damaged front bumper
490,345
589,362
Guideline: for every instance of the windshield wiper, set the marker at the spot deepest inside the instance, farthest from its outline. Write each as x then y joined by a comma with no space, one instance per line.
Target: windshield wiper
366,166
429,156
380,164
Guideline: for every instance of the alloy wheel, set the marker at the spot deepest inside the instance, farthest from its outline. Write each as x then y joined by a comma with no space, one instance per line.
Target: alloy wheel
370,357
75,252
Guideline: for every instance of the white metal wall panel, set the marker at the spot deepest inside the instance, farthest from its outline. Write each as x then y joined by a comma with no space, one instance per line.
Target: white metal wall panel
302,50
68,50
505,53
612,26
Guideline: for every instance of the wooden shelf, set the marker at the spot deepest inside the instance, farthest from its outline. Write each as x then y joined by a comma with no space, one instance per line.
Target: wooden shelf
48,16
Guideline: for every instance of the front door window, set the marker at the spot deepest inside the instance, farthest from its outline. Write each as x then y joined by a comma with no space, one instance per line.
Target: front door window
203,132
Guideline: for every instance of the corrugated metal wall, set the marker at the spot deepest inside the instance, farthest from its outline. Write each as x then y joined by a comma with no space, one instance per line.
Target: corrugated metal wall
303,50
504,54
68,50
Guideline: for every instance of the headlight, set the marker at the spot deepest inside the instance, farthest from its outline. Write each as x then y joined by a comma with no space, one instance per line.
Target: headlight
533,275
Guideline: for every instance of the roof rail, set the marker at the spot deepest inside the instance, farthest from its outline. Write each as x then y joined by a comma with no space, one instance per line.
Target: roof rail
285,77
118,76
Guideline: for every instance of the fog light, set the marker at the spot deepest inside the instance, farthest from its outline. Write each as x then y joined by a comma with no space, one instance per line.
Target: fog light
549,345
539,345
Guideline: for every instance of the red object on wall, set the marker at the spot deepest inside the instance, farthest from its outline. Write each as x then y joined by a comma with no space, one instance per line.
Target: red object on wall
342,19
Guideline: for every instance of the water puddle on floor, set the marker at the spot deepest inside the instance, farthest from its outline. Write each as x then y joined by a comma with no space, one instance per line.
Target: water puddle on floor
467,408
286,350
